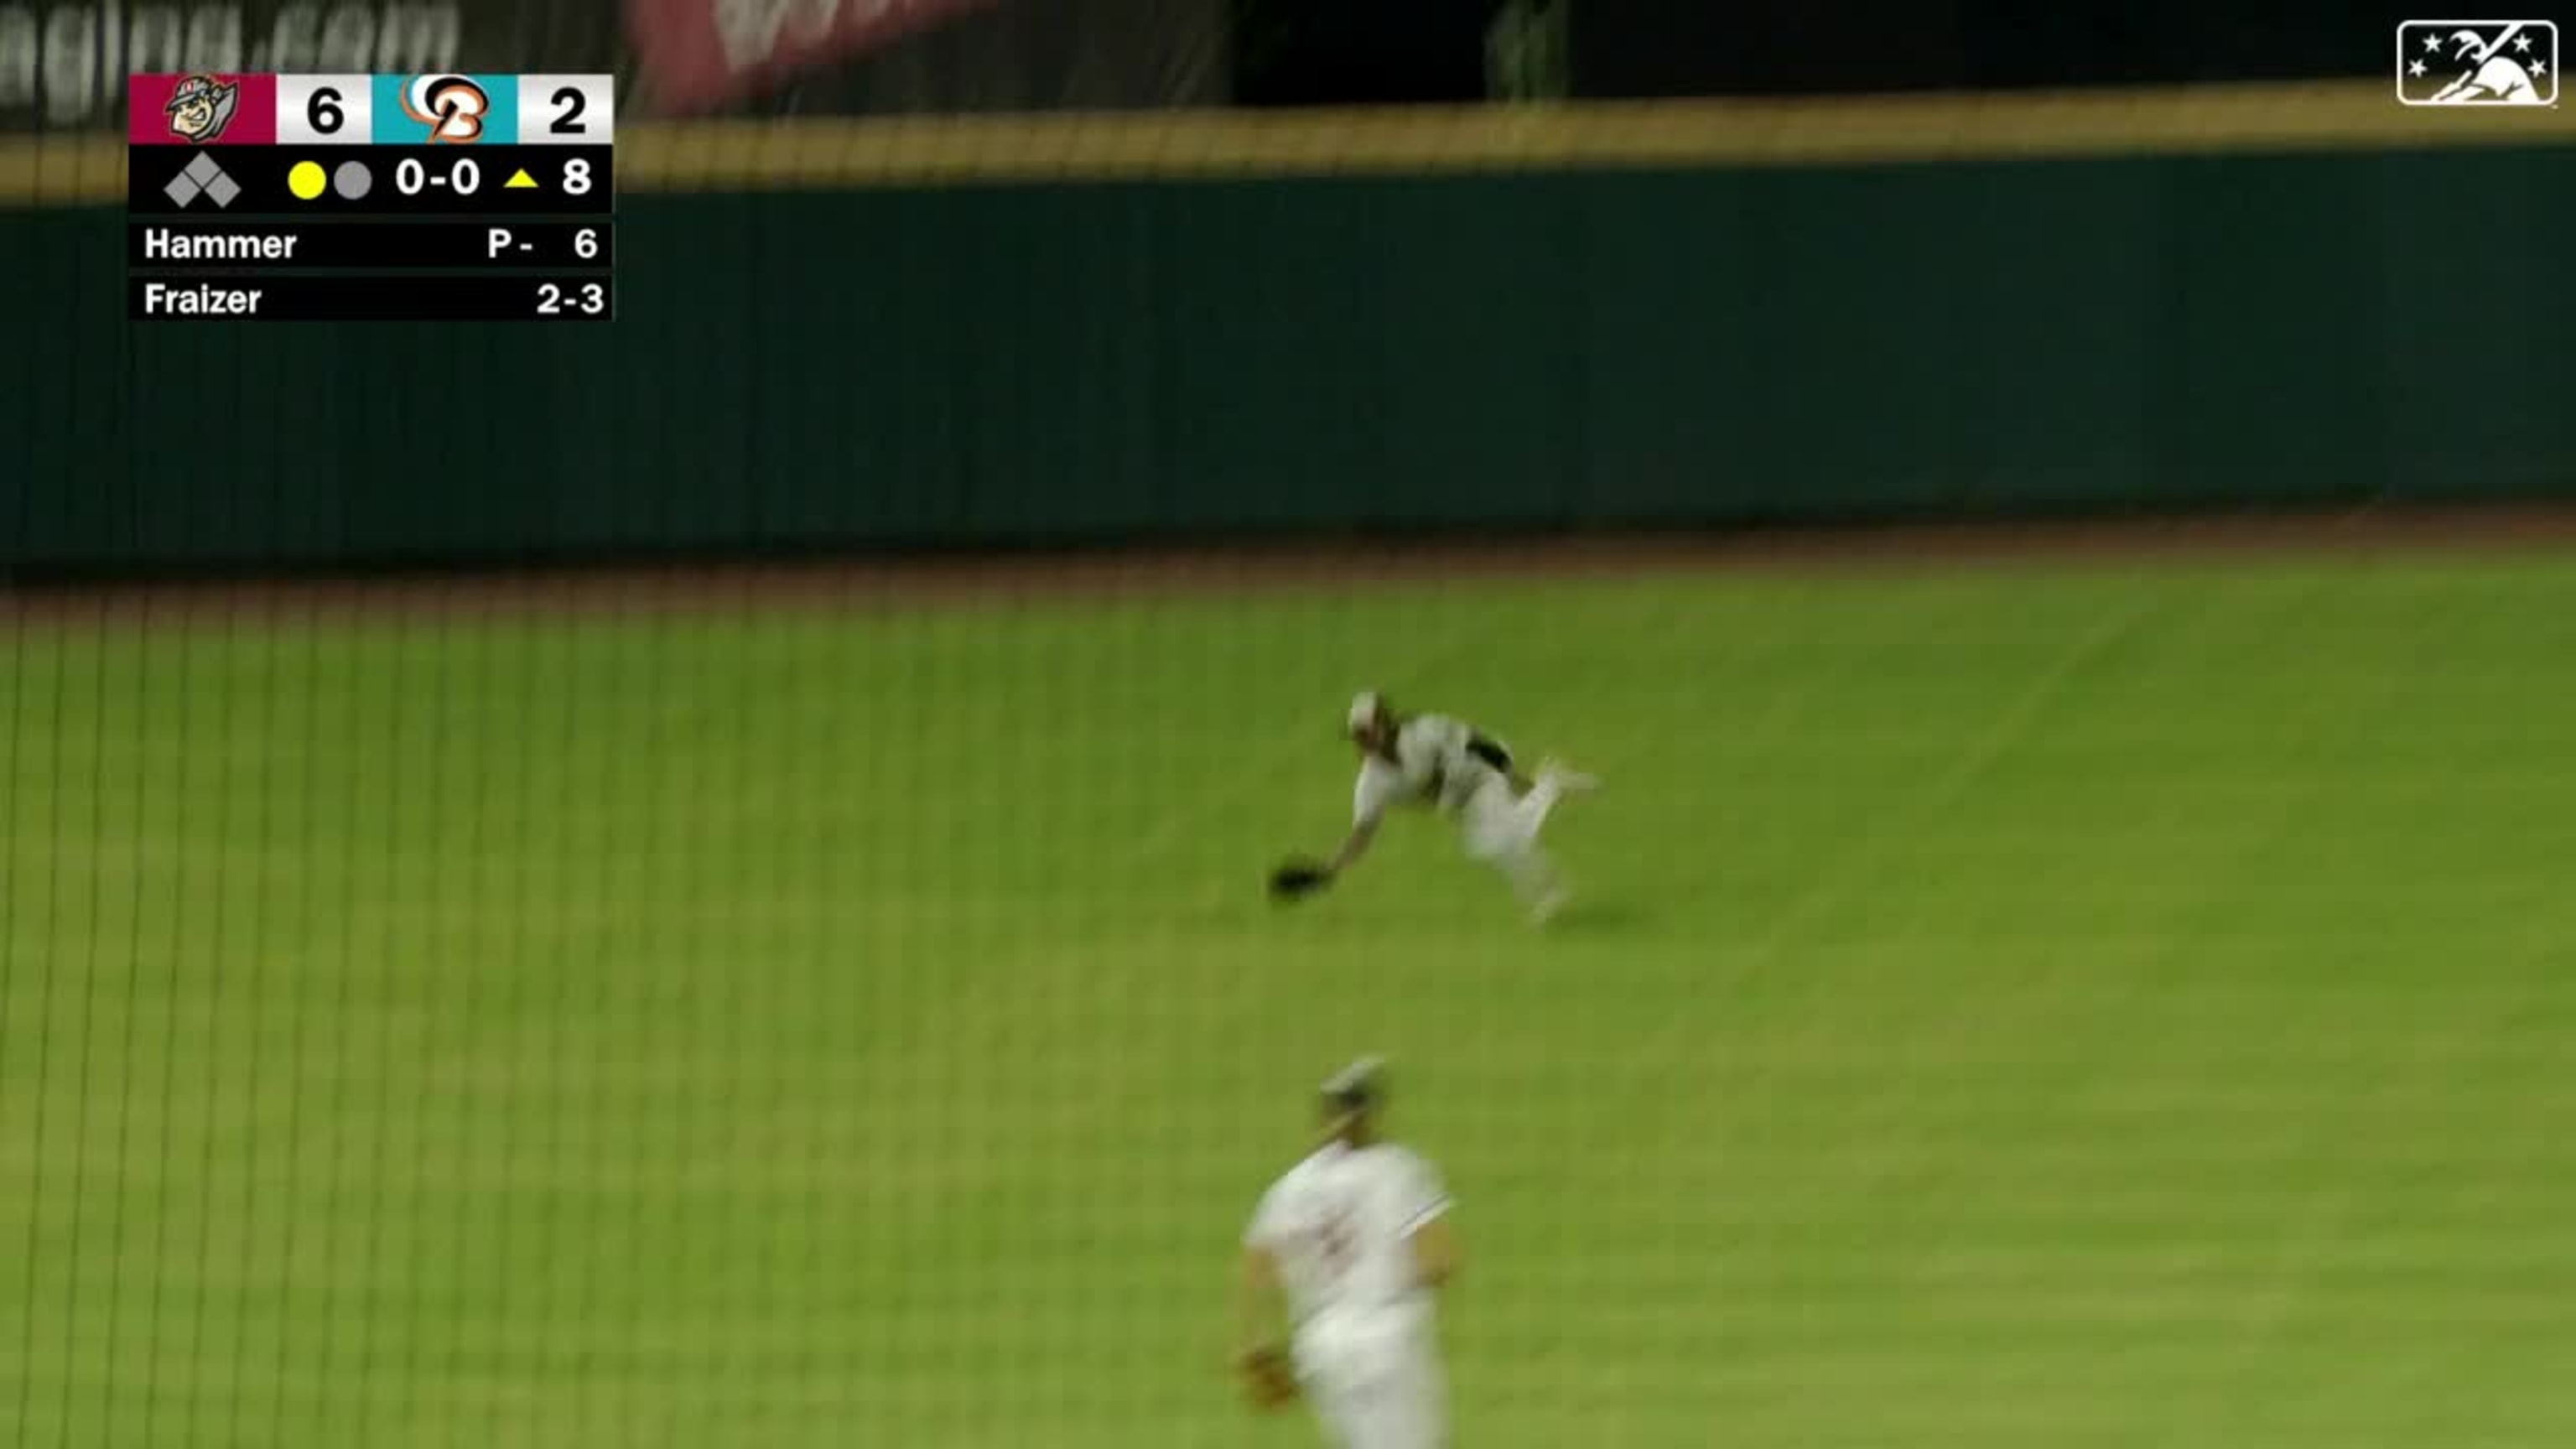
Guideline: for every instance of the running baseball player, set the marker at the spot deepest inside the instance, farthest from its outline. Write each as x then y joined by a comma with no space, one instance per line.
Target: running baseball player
1351,1247
1434,760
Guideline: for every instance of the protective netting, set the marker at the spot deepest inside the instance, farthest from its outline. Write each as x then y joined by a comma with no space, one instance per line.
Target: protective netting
832,1003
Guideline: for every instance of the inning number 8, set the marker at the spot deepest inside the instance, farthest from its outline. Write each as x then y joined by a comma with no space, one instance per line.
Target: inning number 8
576,180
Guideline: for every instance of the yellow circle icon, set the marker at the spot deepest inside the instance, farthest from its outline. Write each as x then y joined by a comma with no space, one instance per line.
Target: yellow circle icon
306,181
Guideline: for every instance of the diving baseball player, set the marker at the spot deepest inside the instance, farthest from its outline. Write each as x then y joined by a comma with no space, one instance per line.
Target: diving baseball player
1351,1248
1434,760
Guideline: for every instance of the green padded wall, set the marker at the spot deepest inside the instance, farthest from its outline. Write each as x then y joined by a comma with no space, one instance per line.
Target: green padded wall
1109,360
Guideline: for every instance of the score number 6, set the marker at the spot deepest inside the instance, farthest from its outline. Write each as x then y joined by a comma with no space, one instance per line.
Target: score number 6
590,299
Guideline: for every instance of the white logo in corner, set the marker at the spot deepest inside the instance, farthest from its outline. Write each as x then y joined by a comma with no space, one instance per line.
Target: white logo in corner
2477,63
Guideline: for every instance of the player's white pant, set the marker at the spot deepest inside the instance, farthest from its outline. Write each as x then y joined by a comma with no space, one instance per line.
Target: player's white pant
1376,1384
1501,830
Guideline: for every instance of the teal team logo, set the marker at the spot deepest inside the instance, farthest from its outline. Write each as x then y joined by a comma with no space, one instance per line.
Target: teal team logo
2477,63
446,110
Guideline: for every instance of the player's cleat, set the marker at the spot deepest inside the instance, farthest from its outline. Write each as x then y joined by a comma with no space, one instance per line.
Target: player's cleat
1547,906
1573,782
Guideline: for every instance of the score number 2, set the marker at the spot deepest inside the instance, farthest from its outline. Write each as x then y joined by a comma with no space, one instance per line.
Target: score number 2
589,299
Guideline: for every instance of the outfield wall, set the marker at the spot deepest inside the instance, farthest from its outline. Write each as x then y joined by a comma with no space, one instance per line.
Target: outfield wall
843,334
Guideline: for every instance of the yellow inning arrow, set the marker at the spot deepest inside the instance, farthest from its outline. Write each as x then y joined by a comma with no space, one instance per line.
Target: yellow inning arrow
519,181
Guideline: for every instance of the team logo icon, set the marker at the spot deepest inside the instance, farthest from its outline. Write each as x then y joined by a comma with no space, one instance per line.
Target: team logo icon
200,107
453,107
2477,63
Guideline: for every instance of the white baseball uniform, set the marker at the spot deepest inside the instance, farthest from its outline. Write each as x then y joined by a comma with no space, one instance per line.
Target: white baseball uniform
1434,766
1340,1226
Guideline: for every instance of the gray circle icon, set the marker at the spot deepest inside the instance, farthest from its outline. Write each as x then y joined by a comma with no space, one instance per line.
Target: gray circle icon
352,180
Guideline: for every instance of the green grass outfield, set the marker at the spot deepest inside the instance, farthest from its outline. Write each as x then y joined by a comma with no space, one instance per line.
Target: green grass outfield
2032,1008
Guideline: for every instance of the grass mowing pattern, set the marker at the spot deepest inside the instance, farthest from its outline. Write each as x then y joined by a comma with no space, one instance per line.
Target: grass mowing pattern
2015,1009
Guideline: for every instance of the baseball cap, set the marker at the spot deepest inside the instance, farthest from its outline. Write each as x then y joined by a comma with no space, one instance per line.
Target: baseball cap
1364,708
1358,1087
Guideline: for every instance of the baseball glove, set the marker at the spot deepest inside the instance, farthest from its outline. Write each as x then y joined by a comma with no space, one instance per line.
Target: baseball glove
1297,878
1269,1380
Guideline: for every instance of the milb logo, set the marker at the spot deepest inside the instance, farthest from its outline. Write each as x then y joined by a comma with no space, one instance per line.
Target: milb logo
2477,63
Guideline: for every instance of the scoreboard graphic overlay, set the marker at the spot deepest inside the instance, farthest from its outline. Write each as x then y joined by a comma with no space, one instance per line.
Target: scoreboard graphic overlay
290,198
